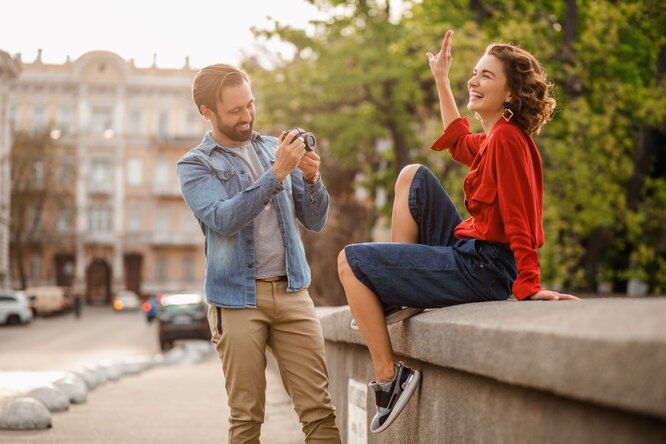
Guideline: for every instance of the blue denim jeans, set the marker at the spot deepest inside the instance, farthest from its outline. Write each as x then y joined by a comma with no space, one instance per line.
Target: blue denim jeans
439,270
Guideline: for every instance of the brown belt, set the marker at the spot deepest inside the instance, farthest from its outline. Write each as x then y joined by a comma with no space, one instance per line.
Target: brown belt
273,279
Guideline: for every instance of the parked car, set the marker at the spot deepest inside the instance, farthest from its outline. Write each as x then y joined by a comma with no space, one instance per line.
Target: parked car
126,300
182,315
14,307
48,300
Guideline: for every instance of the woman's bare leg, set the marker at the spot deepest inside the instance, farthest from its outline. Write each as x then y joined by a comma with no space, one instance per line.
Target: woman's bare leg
404,229
369,314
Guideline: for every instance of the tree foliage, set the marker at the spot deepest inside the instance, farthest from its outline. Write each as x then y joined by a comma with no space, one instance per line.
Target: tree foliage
360,80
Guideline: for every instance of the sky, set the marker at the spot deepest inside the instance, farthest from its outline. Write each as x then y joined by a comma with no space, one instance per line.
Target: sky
208,31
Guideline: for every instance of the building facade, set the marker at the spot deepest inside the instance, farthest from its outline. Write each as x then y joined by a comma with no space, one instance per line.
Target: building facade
127,127
9,69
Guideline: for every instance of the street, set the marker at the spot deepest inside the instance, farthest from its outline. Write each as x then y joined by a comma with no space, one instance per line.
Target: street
62,342
166,404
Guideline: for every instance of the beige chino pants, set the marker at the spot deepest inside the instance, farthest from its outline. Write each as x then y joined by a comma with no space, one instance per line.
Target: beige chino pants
286,324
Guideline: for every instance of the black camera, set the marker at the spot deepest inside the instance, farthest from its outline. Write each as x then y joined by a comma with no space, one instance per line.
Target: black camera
309,138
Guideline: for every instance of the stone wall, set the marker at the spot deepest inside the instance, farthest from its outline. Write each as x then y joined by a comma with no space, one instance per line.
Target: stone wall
518,372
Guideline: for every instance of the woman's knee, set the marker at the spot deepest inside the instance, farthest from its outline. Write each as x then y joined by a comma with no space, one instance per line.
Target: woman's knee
343,266
406,176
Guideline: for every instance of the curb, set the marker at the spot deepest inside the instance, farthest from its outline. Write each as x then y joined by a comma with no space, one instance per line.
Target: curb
30,407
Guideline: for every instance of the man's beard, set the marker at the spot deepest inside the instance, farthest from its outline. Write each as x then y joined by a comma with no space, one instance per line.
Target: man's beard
233,133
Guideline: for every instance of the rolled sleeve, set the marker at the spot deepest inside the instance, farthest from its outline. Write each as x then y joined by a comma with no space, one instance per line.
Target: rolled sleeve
311,202
456,129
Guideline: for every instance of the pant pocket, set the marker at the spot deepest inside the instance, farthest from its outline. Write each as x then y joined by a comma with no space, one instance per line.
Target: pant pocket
215,323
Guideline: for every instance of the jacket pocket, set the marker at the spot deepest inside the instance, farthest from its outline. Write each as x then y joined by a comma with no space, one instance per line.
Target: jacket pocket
485,193
225,175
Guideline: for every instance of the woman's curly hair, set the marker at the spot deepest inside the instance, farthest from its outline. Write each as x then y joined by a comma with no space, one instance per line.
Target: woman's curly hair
530,89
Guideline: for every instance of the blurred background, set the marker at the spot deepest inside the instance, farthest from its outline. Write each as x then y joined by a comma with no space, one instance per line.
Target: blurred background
96,108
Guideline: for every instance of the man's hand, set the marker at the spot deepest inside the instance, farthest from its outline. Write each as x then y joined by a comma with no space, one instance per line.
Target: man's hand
289,153
440,63
547,295
309,165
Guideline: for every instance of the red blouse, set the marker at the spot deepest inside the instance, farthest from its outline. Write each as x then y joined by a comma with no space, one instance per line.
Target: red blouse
503,193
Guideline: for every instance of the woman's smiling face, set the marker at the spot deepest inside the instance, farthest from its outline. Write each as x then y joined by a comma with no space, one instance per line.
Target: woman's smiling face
488,87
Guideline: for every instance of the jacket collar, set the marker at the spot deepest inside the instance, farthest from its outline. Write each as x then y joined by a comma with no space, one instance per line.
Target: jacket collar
208,144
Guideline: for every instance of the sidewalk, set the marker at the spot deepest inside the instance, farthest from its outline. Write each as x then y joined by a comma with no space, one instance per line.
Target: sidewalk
167,404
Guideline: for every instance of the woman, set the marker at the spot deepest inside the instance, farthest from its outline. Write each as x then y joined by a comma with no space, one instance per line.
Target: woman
436,259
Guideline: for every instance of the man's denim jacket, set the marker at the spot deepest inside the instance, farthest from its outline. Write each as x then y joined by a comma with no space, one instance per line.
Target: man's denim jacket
217,187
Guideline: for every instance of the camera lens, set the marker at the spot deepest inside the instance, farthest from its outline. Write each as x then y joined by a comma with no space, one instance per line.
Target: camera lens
310,142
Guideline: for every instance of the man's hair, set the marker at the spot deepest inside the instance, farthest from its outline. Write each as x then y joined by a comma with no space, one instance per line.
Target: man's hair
209,82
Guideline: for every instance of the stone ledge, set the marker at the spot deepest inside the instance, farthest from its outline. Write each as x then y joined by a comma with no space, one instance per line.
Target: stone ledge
610,352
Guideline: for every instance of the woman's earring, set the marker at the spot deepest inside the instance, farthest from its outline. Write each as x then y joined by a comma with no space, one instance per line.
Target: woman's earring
507,114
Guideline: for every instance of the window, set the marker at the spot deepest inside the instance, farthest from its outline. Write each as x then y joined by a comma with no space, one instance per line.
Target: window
35,217
188,222
162,173
100,172
14,116
188,268
65,220
101,120
163,124
66,171
135,122
162,220
161,267
134,171
38,118
35,268
134,219
66,119
100,219
38,174
193,125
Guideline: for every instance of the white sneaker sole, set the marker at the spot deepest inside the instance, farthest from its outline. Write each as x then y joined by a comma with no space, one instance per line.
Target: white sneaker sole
396,317
409,388
403,314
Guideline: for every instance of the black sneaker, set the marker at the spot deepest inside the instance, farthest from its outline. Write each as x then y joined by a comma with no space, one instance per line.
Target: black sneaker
391,397
393,314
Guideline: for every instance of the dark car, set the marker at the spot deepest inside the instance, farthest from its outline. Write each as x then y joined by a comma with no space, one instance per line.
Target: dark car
182,316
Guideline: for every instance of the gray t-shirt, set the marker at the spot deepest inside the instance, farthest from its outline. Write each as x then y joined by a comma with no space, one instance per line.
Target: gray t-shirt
268,244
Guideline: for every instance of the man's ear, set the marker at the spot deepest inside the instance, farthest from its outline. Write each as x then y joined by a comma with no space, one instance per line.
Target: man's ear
207,112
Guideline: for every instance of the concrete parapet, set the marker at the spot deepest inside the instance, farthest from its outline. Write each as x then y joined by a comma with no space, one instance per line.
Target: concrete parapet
590,371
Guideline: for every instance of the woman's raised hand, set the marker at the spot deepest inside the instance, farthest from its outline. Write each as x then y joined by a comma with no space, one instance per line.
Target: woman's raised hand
440,63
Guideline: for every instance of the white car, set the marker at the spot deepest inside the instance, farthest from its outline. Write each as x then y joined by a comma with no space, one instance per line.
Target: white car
126,300
14,307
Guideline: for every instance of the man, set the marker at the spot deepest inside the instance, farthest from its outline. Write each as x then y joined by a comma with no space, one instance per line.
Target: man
247,191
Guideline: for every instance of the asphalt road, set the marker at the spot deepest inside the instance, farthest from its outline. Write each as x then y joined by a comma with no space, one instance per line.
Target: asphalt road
61,342
177,404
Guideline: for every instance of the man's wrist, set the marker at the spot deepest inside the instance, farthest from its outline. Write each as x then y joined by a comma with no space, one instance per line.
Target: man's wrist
278,173
312,180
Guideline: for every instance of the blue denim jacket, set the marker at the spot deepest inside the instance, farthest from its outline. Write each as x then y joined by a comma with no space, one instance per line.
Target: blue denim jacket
217,187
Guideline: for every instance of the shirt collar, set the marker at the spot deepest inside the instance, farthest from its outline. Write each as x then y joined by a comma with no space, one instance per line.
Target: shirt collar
208,144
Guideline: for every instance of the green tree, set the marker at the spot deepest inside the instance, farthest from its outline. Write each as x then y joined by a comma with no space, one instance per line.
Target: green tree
362,83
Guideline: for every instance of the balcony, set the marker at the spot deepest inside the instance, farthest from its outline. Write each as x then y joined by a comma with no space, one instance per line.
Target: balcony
178,238
100,187
102,238
170,189
138,239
